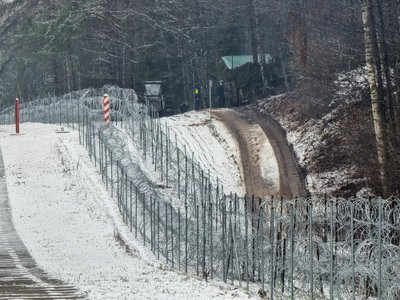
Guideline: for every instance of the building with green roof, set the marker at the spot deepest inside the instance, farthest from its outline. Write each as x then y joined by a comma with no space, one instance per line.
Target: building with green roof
235,61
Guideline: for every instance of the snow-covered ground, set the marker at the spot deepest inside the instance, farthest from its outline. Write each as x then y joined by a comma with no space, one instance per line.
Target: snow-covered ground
213,146
216,149
68,222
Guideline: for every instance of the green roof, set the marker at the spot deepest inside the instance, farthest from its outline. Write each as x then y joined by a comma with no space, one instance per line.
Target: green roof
235,61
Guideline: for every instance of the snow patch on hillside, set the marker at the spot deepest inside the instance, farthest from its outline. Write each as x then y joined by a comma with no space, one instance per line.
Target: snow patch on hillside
212,145
269,166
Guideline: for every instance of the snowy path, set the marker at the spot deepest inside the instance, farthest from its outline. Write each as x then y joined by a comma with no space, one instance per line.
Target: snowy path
68,223
261,173
292,181
20,278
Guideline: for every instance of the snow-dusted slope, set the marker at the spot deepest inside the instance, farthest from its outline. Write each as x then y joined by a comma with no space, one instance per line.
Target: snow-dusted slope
68,222
332,136
213,146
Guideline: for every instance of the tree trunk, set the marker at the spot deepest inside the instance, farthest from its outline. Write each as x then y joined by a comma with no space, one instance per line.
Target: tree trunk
260,48
376,99
385,62
284,73
394,25
392,130
256,45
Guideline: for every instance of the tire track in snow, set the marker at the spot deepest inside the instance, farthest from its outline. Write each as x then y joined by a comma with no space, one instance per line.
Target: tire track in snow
292,181
252,143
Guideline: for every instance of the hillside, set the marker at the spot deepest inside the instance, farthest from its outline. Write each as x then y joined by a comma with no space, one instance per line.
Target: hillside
332,135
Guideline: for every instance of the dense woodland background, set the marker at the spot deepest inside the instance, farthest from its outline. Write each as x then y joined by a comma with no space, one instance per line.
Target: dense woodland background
53,47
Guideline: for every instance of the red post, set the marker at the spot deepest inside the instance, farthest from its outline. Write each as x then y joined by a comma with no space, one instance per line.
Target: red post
106,109
17,119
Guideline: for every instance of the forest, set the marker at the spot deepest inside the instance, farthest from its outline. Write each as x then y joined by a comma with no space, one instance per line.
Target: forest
54,47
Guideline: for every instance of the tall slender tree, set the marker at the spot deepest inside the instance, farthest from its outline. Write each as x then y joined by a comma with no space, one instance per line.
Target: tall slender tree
373,66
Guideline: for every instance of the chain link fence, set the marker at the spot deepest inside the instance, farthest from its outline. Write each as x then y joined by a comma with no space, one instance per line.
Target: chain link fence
314,248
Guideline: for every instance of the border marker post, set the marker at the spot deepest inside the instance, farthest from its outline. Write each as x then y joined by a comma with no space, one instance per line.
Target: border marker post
106,109
17,116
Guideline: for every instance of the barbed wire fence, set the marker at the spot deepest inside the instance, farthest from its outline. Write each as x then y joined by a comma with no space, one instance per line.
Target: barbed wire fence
317,248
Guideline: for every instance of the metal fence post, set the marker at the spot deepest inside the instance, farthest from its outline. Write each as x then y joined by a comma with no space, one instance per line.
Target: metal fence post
331,252
197,240
131,202
166,231
291,239
186,177
310,210
352,250
66,112
167,141
179,167
179,238
125,198
111,174
107,159
186,239
380,251
262,248
94,145
246,241
223,239
204,240
162,155
253,238
152,139
151,225
211,243
230,255
172,235
136,211
118,191
144,218
158,230
101,165
60,112
272,241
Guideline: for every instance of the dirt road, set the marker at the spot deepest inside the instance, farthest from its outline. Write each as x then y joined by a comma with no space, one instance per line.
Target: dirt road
239,122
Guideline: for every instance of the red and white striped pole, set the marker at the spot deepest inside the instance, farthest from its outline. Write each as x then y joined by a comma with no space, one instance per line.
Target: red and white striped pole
17,117
106,109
